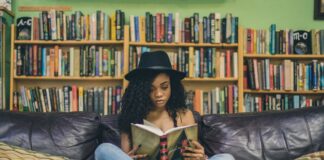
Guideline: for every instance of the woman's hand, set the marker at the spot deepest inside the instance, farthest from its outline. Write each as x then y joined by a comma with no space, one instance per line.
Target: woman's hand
136,156
194,151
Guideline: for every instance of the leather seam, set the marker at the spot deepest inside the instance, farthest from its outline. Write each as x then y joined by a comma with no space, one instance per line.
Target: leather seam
308,130
262,144
285,140
30,135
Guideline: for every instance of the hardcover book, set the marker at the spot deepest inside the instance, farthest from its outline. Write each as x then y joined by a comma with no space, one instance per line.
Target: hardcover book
154,141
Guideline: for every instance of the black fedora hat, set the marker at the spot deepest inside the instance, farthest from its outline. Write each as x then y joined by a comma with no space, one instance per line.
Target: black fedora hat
154,61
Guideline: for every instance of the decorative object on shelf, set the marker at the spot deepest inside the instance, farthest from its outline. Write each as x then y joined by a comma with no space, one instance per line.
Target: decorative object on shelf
319,9
302,42
24,25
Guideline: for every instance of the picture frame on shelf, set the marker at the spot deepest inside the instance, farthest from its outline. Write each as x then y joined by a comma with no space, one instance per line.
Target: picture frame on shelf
318,9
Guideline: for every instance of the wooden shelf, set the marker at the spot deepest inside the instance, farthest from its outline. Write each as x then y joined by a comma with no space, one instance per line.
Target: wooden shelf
114,78
103,78
283,92
44,8
68,42
182,44
278,56
211,79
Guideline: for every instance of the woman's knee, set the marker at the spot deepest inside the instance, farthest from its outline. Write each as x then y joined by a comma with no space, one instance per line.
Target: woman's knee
104,148
223,156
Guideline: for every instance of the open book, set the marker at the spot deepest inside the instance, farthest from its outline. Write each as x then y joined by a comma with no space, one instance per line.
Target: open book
149,136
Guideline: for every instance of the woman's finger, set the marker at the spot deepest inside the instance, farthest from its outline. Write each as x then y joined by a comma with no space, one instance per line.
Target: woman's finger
139,156
199,151
197,144
134,150
193,155
131,152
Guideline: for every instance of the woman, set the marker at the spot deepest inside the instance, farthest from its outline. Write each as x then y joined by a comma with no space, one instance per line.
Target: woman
155,94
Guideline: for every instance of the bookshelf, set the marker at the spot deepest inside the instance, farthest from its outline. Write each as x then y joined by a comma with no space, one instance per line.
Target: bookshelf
288,80
191,82
6,19
49,81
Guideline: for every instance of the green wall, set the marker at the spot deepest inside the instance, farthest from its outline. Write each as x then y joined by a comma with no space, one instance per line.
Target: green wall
294,14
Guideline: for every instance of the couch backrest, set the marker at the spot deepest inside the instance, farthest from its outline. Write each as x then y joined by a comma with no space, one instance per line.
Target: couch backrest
248,136
265,136
74,135
110,132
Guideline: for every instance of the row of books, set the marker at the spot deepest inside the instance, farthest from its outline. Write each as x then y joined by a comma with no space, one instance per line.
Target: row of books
280,102
212,62
289,75
263,41
135,53
219,100
227,26
56,25
88,60
285,41
179,60
167,27
102,100
206,62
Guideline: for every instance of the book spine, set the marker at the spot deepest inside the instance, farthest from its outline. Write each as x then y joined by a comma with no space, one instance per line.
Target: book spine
164,148
196,27
170,24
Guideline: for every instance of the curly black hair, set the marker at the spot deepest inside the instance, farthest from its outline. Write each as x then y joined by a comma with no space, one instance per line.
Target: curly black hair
136,102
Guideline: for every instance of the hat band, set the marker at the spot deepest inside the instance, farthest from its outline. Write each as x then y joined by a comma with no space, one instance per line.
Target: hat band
156,67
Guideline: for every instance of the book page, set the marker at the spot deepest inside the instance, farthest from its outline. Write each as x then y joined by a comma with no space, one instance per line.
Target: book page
151,125
150,128
178,128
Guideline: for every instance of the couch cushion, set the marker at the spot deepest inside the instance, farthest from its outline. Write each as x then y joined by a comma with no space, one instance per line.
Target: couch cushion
74,135
266,135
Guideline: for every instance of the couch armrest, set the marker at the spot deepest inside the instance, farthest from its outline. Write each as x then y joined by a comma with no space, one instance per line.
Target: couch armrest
74,135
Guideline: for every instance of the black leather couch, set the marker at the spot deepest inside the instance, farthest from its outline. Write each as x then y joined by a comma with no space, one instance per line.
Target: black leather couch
248,136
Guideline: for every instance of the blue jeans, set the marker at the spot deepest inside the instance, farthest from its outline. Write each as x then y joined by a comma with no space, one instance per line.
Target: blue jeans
108,151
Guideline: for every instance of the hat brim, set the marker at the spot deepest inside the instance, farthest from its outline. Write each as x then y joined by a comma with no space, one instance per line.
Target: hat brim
140,72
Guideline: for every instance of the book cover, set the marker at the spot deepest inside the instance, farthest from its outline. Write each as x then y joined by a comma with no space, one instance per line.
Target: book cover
149,137
24,28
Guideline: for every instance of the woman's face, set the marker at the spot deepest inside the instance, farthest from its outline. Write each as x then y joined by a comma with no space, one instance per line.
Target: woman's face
160,90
